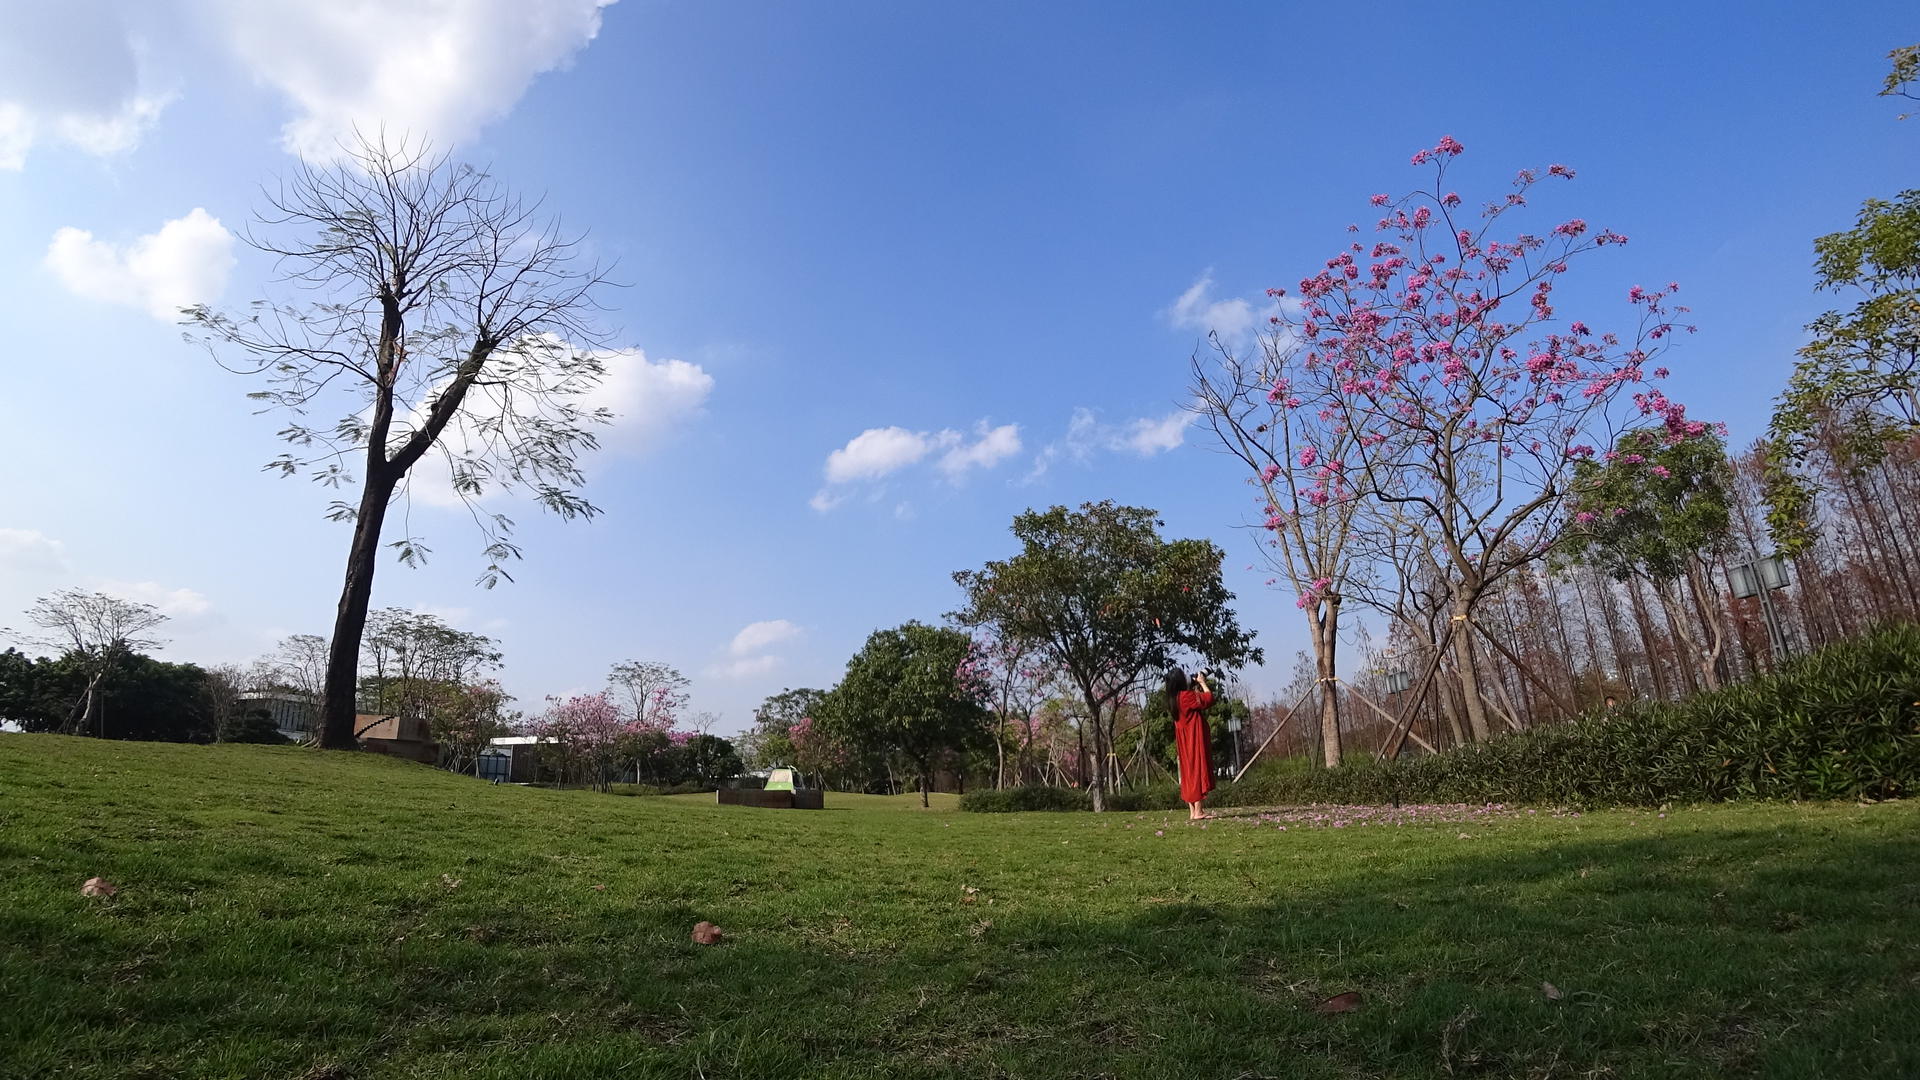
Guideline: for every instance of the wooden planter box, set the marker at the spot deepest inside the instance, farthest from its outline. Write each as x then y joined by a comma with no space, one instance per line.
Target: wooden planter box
779,800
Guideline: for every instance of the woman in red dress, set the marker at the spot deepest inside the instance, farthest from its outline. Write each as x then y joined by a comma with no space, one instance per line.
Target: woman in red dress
1189,701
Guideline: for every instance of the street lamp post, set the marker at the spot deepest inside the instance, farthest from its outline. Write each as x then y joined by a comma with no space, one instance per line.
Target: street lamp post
1759,577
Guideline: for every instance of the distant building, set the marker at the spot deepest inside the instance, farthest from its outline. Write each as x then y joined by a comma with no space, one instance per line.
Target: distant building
295,715
512,759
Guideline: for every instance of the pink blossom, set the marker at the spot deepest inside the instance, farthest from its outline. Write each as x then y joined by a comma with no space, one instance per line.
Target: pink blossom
1308,456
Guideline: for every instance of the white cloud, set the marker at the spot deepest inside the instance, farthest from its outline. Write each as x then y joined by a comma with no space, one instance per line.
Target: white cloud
649,399
70,71
185,262
1196,310
1148,437
452,616
173,603
29,552
760,636
876,452
747,654
994,445
1087,435
438,69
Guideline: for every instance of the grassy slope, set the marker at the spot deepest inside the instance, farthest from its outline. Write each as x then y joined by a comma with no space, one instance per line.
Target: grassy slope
283,914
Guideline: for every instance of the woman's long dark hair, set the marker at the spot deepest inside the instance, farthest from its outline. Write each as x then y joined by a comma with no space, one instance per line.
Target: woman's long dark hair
1176,682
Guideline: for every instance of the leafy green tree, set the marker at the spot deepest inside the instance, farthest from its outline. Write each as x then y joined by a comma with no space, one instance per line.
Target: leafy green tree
1858,379
1156,729
135,697
250,726
770,742
708,759
93,632
913,692
1660,510
1107,602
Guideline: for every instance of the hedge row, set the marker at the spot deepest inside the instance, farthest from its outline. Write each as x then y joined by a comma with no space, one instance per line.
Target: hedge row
1843,723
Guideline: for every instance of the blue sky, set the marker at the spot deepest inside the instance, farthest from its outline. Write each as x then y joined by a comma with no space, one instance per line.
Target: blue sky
848,217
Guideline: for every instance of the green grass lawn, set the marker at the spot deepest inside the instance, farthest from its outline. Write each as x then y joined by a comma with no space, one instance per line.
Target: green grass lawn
288,914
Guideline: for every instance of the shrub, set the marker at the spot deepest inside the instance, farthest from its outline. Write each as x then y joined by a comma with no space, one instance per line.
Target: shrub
1842,723
1011,800
690,787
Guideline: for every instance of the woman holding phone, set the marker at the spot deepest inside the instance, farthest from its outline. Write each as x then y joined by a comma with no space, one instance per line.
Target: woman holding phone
1189,699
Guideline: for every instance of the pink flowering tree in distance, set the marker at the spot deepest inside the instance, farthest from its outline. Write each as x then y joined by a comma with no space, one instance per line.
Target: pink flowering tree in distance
1430,374
591,735
1279,420
1016,681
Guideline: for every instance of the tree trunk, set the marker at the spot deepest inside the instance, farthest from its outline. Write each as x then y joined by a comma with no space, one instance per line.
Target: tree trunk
1096,776
1323,665
1655,669
1325,617
337,707
926,786
1710,619
1476,709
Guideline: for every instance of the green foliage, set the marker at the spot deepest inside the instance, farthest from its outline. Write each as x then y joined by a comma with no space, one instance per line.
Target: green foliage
1156,728
686,787
1104,598
905,693
770,742
1655,507
1023,799
1856,383
1905,72
138,697
1843,723
251,726
706,760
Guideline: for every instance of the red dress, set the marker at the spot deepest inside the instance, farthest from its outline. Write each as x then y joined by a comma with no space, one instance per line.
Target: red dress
1190,739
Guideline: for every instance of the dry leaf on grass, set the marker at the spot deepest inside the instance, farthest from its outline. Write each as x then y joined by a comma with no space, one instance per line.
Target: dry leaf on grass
1339,1003
705,933
98,886
1551,991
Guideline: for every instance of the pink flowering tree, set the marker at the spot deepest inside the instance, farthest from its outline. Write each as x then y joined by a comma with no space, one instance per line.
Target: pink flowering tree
591,737
1016,681
1288,431
1450,390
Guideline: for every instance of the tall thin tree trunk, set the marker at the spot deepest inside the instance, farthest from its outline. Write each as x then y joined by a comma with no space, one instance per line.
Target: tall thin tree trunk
337,707
1649,643
1476,709
1326,644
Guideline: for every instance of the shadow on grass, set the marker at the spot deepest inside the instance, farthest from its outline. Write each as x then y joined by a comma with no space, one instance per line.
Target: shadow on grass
1778,952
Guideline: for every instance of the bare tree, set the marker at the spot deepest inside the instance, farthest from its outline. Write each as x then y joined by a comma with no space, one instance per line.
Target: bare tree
298,663
96,629
431,310
656,691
